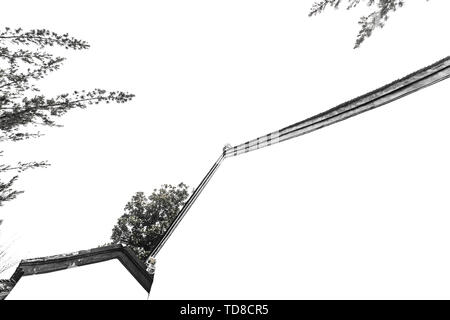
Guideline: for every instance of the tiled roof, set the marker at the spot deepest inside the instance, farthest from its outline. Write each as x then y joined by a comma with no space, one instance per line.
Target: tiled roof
80,258
5,287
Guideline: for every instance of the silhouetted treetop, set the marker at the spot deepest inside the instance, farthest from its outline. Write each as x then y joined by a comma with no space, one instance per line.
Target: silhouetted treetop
375,19
25,58
147,218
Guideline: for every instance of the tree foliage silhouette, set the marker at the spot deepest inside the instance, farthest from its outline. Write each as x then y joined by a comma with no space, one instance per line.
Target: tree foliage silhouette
146,219
375,19
24,59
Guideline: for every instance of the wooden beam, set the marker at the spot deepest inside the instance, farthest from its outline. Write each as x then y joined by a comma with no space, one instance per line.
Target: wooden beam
411,83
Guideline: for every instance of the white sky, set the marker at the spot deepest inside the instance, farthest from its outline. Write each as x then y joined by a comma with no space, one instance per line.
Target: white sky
356,210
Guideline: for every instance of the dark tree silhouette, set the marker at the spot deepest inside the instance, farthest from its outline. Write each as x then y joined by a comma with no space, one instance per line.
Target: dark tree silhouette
376,19
24,59
146,219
